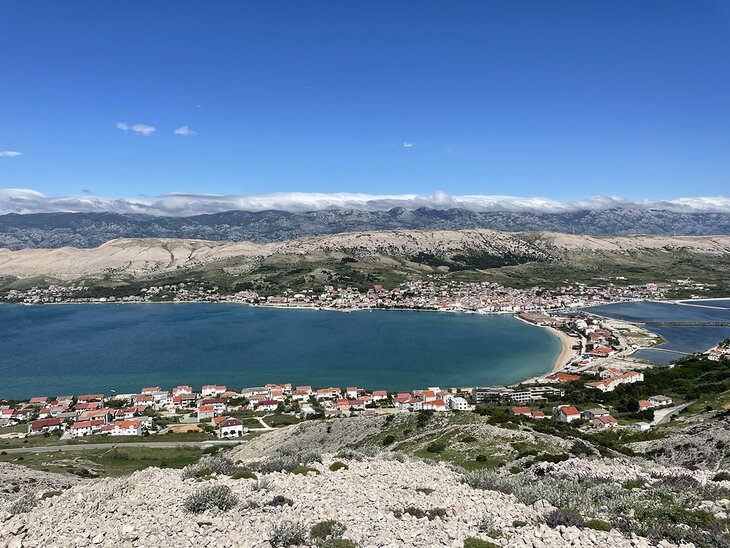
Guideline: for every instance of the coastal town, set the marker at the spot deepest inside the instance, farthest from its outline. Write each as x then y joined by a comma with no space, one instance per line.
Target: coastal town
433,294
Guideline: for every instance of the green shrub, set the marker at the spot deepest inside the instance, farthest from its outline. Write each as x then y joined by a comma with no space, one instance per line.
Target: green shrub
288,533
411,511
337,543
436,447
387,440
468,438
481,458
515,470
49,494
280,500
208,465
552,458
423,418
328,529
244,474
567,518
337,465
519,523
598,525
486,523
389,418
721,476
215,496
304,470
24,504
473,542
434,513
634,484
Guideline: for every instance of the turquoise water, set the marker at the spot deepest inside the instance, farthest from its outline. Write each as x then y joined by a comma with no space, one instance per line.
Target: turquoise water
71,349
681,339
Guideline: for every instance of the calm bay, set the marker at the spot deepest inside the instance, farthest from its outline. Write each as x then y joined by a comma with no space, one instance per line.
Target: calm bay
71,349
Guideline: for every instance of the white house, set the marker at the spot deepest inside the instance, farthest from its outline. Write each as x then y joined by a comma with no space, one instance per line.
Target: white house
566,413
124,428
212,390
267,405
591,414
659,401
605,421
457,403
183,389
641,426
85,428
231,428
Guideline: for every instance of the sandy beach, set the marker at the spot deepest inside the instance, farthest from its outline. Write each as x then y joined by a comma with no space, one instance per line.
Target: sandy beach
566,353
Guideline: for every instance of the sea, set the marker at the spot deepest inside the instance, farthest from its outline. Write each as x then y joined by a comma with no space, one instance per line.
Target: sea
52,350
679,339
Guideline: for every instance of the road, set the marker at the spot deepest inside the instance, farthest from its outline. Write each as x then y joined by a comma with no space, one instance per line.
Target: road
663,415
88,446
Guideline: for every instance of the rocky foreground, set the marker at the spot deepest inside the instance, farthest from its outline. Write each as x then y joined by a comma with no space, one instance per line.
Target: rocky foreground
146,510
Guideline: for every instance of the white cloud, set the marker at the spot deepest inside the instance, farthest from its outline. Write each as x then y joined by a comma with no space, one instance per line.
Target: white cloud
407,145
9,153
178,204
185,130
142,129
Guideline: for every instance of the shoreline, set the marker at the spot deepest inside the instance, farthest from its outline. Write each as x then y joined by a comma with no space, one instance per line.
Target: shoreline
566,355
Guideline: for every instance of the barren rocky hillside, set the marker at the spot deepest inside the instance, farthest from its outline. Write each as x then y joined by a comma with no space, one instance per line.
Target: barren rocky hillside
145,257
285,487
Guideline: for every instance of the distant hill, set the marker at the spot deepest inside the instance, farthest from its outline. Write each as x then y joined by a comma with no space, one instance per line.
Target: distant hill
386,257
53,230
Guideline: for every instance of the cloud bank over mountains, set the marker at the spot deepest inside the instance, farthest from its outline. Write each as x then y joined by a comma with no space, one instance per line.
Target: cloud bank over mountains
179,204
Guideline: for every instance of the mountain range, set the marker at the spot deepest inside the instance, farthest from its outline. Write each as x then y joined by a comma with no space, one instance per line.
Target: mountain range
84,230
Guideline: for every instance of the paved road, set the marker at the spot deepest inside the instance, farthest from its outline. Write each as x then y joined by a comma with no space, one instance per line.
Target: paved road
88,446
664,415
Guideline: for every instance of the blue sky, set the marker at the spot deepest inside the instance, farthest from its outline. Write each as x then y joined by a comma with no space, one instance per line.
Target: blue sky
562,99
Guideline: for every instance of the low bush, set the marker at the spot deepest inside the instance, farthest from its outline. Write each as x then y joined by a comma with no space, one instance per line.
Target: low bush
288,533
207,498
244,474
328,529
209,464
721,476
387,440
337,465
424,490
486,523
552,458
468,438
411,511
598,525
436,447
24,504
50,494
473,542
304,470
337,543
567,518
634,484
280,500
287,462
418,513
519,523
481,458
262,484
